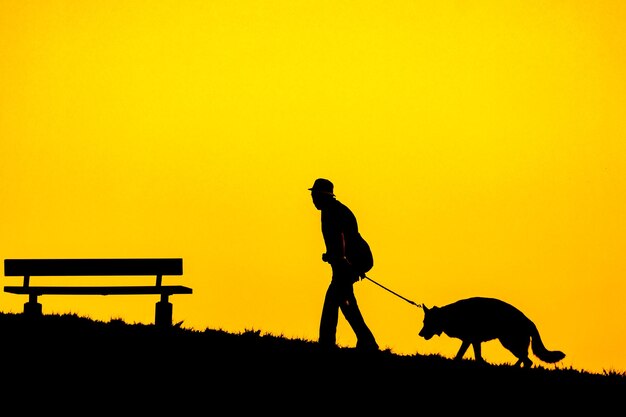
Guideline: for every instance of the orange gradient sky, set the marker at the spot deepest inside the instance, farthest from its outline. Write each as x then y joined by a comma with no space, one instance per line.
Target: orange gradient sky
481,145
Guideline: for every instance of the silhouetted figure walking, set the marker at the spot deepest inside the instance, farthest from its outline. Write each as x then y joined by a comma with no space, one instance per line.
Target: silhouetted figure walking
340,231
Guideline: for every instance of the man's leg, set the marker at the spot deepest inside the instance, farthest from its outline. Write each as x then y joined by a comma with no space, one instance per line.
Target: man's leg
330,317
352,313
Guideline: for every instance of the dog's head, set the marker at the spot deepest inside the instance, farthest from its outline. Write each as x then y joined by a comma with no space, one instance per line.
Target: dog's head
432,323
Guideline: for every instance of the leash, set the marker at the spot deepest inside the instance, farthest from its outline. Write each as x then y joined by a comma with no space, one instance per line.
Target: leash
393,292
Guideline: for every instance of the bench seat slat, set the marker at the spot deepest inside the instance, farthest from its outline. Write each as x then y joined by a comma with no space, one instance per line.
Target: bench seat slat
101,267
99,290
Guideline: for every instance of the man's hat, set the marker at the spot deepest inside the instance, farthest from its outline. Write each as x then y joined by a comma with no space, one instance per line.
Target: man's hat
322,185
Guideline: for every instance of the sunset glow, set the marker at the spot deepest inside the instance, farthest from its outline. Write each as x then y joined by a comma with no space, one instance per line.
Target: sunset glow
481,145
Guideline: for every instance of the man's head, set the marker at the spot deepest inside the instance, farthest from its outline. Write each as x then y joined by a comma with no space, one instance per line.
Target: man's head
321,192
322,186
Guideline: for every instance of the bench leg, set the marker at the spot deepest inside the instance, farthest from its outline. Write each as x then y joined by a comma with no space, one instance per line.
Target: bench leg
32,308
163,313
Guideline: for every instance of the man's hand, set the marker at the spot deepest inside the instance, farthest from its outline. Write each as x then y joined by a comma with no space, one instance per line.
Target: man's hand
335,260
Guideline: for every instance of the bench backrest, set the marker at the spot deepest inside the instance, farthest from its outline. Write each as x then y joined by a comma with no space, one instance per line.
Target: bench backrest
106,266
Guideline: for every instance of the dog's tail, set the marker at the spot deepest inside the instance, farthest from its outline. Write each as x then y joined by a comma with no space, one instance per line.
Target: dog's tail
539,349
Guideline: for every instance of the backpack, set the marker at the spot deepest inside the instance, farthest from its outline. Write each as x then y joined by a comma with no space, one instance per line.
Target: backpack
359,254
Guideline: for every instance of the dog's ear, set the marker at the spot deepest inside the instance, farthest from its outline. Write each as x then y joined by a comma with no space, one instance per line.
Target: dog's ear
424,308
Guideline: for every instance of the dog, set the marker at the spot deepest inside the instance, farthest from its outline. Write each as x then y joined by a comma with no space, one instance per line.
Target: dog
479,319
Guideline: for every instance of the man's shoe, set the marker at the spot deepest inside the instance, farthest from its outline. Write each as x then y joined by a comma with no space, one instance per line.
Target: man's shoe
328,347
367,347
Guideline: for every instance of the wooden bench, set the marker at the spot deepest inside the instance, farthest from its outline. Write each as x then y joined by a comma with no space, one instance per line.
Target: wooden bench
158,267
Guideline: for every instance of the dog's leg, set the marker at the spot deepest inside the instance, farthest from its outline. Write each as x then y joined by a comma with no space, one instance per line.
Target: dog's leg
462,350
477,352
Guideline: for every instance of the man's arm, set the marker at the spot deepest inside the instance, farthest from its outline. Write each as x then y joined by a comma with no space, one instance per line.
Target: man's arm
335,249
332,231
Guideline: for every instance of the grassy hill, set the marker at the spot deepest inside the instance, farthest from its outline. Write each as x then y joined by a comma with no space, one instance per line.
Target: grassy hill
72,363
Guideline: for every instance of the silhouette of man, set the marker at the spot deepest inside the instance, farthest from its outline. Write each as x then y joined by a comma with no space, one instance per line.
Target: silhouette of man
339,228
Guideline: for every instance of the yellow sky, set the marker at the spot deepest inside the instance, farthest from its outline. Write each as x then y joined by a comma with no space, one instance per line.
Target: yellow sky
481,145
